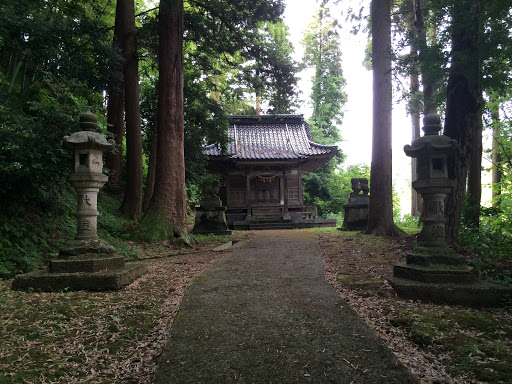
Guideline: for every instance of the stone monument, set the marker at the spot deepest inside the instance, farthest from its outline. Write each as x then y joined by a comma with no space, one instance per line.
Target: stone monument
85,262
433,272
356,210
211,215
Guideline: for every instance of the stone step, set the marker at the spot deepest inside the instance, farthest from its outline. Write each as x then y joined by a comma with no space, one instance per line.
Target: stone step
268,219
423,259
270,225
477,294
436,274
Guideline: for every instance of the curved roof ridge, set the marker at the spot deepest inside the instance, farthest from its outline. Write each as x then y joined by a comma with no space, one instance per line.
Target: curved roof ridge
290,142
322,145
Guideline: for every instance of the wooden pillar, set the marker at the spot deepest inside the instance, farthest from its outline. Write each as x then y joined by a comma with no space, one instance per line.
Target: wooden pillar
285,185
248,196
281,189
301,187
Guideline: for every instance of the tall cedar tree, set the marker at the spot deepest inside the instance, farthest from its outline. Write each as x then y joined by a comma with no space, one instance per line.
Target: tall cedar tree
463,104
132,204
166,214
380,215
322,52
414,25
115,110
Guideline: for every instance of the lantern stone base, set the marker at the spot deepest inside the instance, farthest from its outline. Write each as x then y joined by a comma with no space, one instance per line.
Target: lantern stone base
477,294
435,273
440,275
82,265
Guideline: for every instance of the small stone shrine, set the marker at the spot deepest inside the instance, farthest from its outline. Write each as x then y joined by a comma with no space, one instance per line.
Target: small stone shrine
86,262
356,211
211,215
433,272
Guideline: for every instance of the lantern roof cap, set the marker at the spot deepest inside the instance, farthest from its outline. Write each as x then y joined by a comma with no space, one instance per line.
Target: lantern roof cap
432,141
87,137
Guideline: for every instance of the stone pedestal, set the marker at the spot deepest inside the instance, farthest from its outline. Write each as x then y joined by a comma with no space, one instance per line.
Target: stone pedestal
86,262
434,272
356,210
211,215
356,214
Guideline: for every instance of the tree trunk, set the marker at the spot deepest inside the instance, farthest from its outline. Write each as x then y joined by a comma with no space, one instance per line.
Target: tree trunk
115,126
380,216
428,73
463,104
166,215
496,157
258,103
132,204
414,26
150,178
115,114
475,177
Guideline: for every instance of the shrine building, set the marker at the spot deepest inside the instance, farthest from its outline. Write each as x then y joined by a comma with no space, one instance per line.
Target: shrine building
261,172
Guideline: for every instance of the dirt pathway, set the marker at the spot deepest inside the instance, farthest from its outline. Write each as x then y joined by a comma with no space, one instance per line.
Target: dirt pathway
265,314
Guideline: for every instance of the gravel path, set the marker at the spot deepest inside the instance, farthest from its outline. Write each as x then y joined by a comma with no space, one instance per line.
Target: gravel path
265,314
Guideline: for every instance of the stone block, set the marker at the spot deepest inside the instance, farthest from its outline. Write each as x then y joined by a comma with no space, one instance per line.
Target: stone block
86,263
94,281
477,294
435,274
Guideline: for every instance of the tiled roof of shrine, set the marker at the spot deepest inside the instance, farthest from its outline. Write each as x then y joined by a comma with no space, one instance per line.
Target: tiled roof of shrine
270,137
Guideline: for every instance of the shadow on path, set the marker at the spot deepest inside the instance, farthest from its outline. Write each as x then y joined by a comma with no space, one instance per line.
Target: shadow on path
265,314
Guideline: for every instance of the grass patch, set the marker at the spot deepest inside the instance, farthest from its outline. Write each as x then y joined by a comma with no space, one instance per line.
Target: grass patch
474,341
211,238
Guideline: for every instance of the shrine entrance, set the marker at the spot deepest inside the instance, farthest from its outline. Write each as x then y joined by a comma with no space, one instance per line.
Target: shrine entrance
266,190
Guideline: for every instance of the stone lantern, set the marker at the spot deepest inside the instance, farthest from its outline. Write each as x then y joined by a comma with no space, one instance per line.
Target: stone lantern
432,153
85,262
433,272
88,147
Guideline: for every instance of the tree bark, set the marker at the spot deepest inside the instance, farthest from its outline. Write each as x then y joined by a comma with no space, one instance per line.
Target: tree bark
132,204
115,114
496,157
414,25
380,215
150,178
425,63
463,104
475,176
166,215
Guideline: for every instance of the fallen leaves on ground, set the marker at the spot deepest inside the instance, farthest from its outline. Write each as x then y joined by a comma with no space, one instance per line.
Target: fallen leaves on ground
351,259
97,337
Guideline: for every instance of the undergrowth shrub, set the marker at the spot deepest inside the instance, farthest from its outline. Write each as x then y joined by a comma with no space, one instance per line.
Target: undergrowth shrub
32,236
491,244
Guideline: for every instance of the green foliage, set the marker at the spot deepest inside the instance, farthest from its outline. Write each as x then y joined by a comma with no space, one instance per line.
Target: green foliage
323,53
268,70
31,237
332,192
491,244
408,222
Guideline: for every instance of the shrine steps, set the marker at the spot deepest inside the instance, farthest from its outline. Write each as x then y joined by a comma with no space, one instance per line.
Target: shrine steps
271,225
262,223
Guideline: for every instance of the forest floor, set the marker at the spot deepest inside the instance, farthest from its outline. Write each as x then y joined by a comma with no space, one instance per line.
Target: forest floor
117,337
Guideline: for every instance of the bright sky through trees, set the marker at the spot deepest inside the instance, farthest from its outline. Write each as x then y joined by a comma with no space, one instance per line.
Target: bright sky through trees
357,122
